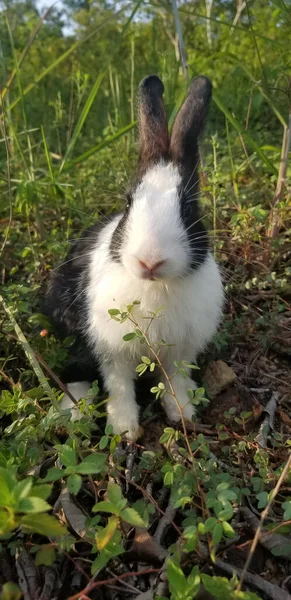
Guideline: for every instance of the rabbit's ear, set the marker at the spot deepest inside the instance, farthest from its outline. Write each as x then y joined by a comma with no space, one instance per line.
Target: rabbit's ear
189,124
153,127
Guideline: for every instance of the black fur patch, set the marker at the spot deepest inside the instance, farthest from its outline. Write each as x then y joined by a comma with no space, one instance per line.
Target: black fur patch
64,300
193,223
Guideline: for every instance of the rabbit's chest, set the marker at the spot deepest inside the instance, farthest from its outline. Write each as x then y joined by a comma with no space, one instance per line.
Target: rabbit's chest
167,313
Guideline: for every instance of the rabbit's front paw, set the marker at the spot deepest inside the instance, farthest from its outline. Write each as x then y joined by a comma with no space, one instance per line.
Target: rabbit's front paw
174,414
131,426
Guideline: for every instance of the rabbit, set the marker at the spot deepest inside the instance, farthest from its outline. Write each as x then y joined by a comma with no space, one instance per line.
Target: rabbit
155,252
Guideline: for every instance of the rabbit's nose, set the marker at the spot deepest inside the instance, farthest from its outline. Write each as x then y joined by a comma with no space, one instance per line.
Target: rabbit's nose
149,268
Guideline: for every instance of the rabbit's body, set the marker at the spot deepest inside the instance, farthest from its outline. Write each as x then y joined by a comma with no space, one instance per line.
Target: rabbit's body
156,253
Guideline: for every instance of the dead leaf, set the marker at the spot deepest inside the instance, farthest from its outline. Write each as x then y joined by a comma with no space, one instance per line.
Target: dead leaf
74,516
146,548
284,418
27,573
268,422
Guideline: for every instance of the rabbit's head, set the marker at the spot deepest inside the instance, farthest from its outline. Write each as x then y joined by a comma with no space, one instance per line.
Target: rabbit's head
161,235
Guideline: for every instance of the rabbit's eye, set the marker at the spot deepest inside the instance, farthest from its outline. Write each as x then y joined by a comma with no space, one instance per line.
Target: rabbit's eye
128,201
187,210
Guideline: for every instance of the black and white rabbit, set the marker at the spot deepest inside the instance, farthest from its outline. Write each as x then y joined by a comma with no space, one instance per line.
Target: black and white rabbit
156,252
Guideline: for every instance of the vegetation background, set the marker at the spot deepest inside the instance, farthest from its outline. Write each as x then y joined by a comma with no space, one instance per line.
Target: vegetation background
68,80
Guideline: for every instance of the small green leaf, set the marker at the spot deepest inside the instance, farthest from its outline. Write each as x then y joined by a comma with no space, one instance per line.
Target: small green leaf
287,510
263,499
92,464
44,525
32,505
177,579
22,489
103,536
169,478
141,369
41,491
10,591
74,482
103,442
210,524
68,455
228,530
217,533
129,336
114,492
226,514
132,517
104,506
146,360
54,474
224,485
113,312
45,556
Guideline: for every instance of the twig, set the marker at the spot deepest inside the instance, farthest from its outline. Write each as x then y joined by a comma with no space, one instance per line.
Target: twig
124,583
260,527
30,355
164,523
268,539
153,502
129,466
274,592
274,220
8,175
181,40
92,586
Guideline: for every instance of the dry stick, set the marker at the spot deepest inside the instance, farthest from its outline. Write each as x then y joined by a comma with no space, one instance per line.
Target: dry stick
153,502
30,355
89,588
166,376
53,376
180,409
274,221
181,40
273,591
8,174
260,527
49,371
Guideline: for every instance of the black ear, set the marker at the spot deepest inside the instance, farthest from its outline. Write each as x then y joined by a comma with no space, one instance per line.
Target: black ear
153,127
189,124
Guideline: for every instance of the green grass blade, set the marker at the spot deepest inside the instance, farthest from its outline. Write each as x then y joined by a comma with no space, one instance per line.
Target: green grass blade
26,49
98,147
83,117
16,69
86,109
61,58
30,355
47,155
240,129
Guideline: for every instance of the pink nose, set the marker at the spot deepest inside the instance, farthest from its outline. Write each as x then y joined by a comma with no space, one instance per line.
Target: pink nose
150,268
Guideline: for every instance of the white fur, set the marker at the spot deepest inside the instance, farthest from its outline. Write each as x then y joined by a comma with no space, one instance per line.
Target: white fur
191,300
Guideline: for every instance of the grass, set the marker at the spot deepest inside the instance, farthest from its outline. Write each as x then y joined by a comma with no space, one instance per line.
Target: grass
175,501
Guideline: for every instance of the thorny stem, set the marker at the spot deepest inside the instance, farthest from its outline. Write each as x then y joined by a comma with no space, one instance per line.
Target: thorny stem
263,516
173,394
166,376
153,502
91,587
